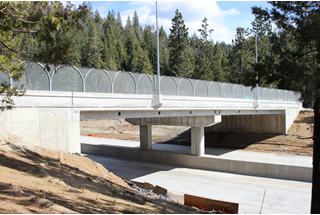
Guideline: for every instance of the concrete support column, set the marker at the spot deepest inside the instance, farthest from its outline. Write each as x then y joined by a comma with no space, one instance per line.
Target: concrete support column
145,137
197,141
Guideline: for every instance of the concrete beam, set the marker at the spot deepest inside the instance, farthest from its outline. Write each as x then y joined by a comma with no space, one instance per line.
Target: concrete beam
151,113
120,102
197,141
191,121
145,137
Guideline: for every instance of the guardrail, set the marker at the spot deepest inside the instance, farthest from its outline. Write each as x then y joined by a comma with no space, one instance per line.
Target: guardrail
81,79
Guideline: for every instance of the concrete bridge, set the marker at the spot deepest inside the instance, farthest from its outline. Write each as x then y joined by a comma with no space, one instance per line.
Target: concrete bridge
50,112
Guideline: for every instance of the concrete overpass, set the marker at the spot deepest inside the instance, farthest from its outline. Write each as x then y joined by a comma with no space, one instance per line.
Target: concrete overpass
50,112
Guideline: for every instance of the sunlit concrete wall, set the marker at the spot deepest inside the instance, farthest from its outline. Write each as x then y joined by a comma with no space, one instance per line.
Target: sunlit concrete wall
51,128
269,123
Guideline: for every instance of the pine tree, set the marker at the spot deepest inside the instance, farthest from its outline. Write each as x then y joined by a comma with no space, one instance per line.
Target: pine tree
94,46
110,51
204,30
141,63
203,69
242,56
136,25
151,47
217,68
204,55
163,52
41,21
130,44
181,57
298,25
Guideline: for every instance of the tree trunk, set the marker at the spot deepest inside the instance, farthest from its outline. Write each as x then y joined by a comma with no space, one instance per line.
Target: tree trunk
315,199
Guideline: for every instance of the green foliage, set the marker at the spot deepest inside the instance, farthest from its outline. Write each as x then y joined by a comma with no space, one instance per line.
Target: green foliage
204,30
32,31
149,41
104,43
295,63
294,59
141,63
217,69
242,56
181,57
203,69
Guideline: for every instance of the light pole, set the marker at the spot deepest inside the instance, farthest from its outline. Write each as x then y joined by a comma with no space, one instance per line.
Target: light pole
158,58
257,91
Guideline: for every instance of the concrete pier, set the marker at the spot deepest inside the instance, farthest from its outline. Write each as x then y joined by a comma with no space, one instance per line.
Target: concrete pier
145,137
197,141
197,124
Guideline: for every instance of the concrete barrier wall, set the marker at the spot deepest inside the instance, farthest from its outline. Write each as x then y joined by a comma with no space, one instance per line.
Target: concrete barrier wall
273,124
203,162
269,123
95,101
51,128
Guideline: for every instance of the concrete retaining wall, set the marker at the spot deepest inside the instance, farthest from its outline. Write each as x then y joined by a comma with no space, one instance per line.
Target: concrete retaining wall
269,123
203,162
51,128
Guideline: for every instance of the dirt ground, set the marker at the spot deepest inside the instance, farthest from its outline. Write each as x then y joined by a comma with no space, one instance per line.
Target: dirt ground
298,141
41,181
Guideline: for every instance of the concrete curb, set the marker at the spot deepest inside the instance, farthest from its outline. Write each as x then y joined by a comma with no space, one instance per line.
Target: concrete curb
206,162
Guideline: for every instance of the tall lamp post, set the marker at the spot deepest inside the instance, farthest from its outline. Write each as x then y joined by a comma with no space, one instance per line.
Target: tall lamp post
158,58
257,91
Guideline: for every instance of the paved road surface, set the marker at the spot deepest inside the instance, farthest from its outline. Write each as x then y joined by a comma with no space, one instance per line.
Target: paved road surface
275,158
282,196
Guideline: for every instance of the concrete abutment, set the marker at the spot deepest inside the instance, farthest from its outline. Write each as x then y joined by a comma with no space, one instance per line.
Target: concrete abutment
59,128
263,123
51,128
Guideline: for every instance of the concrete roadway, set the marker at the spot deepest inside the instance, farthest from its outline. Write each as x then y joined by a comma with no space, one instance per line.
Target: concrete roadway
282,196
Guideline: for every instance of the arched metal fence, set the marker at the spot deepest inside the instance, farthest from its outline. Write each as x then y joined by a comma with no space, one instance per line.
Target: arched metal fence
80,79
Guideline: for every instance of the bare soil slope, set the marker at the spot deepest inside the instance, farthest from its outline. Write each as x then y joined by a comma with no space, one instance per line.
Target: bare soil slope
298,141
41,181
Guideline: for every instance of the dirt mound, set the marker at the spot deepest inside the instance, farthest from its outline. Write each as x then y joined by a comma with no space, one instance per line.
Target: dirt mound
37,180
298,141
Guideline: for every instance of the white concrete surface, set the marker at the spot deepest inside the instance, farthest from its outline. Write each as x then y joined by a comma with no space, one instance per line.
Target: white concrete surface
52,128
53,117
233,161
275,158
197,141
145,137
191,121
282,196
95,101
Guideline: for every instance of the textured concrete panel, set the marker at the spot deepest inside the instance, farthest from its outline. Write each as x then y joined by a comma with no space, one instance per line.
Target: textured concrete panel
191,121
268,123
145,137
52,128
204,162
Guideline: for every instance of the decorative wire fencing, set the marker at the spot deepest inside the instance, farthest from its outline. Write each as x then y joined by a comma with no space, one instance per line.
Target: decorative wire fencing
81,79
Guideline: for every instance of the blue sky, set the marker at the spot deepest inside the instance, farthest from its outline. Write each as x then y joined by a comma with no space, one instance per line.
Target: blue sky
223,16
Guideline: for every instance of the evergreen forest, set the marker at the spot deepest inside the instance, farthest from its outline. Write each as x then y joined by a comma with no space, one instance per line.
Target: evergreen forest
114,44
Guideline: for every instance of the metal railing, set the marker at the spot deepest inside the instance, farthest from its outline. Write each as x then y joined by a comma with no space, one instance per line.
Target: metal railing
81,79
